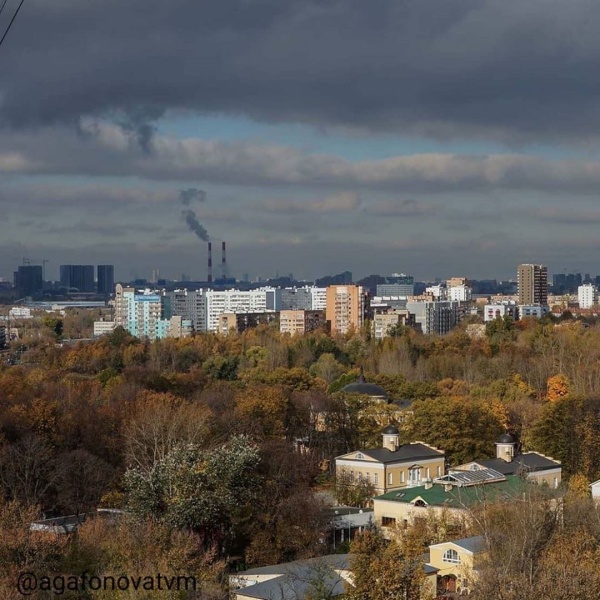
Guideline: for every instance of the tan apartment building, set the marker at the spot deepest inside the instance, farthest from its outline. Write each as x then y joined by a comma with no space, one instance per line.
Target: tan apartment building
393,466
345,308
299,322
532,283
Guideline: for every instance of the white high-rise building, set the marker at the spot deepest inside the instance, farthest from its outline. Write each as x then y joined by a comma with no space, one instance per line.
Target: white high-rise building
587,295
263,300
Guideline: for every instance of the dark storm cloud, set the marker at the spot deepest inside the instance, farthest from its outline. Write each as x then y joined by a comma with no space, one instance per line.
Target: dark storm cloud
513,70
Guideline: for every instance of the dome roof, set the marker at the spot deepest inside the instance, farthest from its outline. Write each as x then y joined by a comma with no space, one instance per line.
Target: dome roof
506,438
367,389
391,430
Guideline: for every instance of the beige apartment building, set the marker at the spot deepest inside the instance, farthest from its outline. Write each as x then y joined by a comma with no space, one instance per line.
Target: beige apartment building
345,308
299,322
532,283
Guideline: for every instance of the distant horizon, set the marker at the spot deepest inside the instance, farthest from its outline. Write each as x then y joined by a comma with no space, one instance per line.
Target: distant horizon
425,137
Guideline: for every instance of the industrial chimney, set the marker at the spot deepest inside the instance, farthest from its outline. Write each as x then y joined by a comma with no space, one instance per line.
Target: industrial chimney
209,278
223,262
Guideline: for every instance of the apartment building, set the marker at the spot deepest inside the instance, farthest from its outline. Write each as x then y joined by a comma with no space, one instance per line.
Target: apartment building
345,308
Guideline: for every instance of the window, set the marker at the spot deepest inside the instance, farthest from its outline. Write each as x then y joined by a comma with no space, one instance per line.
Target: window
439,471
390,478
351,476
376,478
427,473
360,456
388,521
368,478
451,556
401,476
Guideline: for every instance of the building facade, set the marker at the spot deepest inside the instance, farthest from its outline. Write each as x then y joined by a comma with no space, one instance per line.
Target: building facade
345,308
587,295
299,322
105,279
393,466
263,300
28,280
435,317
77,277
532,281
141,314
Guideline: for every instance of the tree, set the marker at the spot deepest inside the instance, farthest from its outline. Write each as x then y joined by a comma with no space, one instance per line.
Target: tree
350,493
465,429
161,422
558,387
200,490
27,470
383,570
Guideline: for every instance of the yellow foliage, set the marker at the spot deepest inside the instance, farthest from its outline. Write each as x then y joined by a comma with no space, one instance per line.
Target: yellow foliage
557,387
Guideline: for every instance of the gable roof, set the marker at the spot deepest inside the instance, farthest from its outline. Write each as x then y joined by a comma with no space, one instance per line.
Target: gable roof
296,580
406,452
473,544
531,462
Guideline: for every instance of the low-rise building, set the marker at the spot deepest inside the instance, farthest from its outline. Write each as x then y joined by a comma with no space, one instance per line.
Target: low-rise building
321,577
103,327
499,310
393,466
533,466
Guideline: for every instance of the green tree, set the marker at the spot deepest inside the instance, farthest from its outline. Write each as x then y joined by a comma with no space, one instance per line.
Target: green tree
386,569
200,490
464,429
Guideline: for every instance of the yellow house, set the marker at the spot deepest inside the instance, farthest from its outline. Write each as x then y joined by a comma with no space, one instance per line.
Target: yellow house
452,495
536,467
455,564
393,466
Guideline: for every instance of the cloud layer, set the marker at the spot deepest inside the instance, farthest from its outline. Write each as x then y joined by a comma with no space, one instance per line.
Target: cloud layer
512,70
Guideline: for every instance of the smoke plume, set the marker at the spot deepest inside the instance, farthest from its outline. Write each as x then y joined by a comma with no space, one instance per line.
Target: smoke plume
186,197
191,195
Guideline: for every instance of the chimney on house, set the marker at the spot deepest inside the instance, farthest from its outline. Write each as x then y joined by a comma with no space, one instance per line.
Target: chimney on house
223,262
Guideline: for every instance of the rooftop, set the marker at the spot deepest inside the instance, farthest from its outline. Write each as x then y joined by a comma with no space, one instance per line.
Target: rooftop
458,497
406,452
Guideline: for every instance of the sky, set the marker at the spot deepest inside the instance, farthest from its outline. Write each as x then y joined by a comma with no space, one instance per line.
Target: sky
433,137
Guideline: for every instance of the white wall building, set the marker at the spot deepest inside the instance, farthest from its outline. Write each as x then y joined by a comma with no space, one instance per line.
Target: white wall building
263,300
459,293
536,311
508,308
587,295
439,291
103,327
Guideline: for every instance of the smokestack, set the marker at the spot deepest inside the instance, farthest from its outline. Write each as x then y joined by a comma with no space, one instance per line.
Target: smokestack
209,262
223,262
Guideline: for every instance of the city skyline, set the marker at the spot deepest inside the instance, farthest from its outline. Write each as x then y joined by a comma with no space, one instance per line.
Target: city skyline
312,137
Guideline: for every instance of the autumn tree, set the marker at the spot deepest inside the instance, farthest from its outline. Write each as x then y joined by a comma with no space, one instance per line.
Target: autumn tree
202,490
465,429
386,569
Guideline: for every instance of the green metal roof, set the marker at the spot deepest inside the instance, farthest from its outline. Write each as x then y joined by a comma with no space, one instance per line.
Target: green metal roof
460,497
